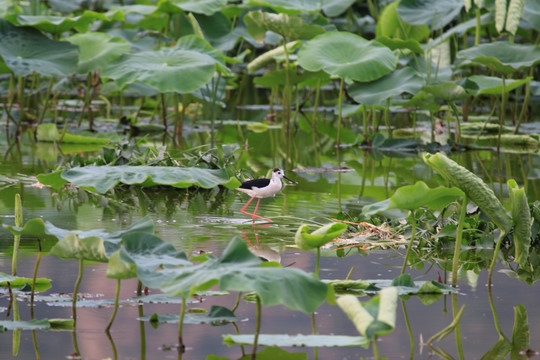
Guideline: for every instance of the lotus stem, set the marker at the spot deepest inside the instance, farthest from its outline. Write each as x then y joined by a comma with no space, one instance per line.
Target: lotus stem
318,261
47,98
75,292
115,310
502,111
387,118
457,330
495,253
459,236
457,126
409,246
36,348
36,267
257,328
16,238
340,100
525,104
375,348
237,302
113,345
477,32
181,346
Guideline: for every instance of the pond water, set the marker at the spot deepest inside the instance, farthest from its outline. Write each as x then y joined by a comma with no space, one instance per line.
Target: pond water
206,221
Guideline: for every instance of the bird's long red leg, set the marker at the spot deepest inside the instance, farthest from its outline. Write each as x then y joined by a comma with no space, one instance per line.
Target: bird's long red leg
260,217
243,210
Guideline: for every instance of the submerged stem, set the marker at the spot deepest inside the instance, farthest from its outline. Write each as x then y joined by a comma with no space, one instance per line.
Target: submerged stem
317,263
36,267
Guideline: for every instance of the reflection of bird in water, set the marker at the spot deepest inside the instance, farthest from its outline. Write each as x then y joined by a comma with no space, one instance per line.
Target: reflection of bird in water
262,188
264,252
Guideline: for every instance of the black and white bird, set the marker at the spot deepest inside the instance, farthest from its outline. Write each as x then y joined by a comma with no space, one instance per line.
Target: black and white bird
262,188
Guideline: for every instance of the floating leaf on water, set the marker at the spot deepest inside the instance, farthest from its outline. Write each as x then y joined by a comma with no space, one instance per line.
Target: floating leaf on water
283,340
42,284
43,324
216,315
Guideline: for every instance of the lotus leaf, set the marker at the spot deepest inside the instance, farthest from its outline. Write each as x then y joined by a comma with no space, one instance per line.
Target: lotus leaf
49,133
375,317
393,84
307,241
217,314
348,56
447,91
297,340
436,14
502,56
239,270
491,85
146,251
206,7
293,6
59,24
183,68
43,324
412,197
291,28
87,248
521,218
104,178
42,284
97,50
531,13
391,26
26,50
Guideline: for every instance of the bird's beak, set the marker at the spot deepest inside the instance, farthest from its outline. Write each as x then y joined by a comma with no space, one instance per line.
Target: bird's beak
292,181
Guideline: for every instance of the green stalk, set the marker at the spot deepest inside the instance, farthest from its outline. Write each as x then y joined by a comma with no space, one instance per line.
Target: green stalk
47,98
412,220
36,267
477,32
340,100
458,130
495,253
459,236
142,331
525,102
317,263
257,328
314,123
375,348
115,310
314,329
163,110
86,103
457,330
76,291
387,118
237,302
16,238
502,111
181,346
36,348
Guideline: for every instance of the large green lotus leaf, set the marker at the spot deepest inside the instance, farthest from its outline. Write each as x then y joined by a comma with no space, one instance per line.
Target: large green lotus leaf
59,24
46,230
104,178
26,50
324,234
434,13
206,7
375,317
183,68
297,340
42,284
393,44
376,92
531,13
348,56
290,27
423,100
88,248
239,270
460,29
491,85
97,49
447,91
289,6
390,25
146,251
412,197
502,56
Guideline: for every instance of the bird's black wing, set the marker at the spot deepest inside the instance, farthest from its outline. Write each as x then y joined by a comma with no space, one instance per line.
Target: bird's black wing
258,183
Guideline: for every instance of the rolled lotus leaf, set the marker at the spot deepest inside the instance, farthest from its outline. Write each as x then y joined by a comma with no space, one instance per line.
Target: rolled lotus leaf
521,217
474,187
307,241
